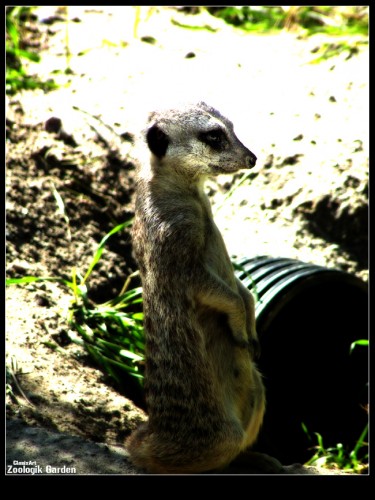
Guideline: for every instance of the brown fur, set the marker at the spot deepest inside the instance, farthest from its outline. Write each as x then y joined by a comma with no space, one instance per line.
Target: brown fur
204,394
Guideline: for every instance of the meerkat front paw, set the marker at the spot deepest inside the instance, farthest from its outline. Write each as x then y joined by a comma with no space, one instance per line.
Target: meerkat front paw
254,348
239,336
242,343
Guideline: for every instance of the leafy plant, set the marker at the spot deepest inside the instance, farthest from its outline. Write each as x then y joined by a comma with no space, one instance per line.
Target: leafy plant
16,76
362,342
260,18
338,457
327,50
333,20
13,387
112,333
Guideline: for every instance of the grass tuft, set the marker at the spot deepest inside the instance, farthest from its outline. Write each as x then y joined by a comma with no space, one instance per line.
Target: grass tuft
16,76
111,333
339,457
331,20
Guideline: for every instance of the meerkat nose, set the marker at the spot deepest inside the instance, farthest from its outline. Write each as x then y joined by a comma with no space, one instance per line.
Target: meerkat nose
251,160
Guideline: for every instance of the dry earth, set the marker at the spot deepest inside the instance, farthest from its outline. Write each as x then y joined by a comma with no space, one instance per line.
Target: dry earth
306,199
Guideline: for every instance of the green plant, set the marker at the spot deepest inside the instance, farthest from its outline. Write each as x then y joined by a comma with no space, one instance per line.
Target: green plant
328,50
259,18
247,280
16,76
333,20
339,457
12,382
362,342
112,333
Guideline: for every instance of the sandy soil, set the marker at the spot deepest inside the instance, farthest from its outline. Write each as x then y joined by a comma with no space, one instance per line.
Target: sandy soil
307,198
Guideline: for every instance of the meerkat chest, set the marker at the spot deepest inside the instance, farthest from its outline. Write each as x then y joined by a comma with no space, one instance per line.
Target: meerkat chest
216,254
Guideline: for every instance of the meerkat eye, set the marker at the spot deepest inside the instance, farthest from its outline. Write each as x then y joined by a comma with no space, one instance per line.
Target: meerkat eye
214,138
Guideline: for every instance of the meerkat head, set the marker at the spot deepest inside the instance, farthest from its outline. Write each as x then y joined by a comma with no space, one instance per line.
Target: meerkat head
195,141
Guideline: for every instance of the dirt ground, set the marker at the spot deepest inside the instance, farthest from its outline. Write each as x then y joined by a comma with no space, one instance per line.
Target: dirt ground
307,198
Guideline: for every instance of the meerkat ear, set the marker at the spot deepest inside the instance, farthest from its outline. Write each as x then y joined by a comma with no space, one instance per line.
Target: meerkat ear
157,141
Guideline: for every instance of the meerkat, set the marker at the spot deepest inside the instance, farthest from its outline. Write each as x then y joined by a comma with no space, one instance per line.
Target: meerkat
205,397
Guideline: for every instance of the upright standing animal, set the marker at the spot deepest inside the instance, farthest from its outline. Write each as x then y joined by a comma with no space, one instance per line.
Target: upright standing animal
204,394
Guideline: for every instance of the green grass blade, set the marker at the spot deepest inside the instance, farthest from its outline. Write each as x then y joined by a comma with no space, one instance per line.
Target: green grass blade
12,32
100,249
35,279
236,185
360,441
253,289
363,342
131,355
31,56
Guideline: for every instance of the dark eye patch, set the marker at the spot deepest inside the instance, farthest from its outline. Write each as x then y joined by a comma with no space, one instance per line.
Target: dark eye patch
214,138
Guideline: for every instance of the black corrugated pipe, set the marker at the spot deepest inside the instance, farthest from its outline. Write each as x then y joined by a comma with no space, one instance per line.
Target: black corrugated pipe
307,318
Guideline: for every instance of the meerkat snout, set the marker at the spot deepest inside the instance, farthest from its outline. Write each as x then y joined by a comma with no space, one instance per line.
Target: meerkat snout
251,160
